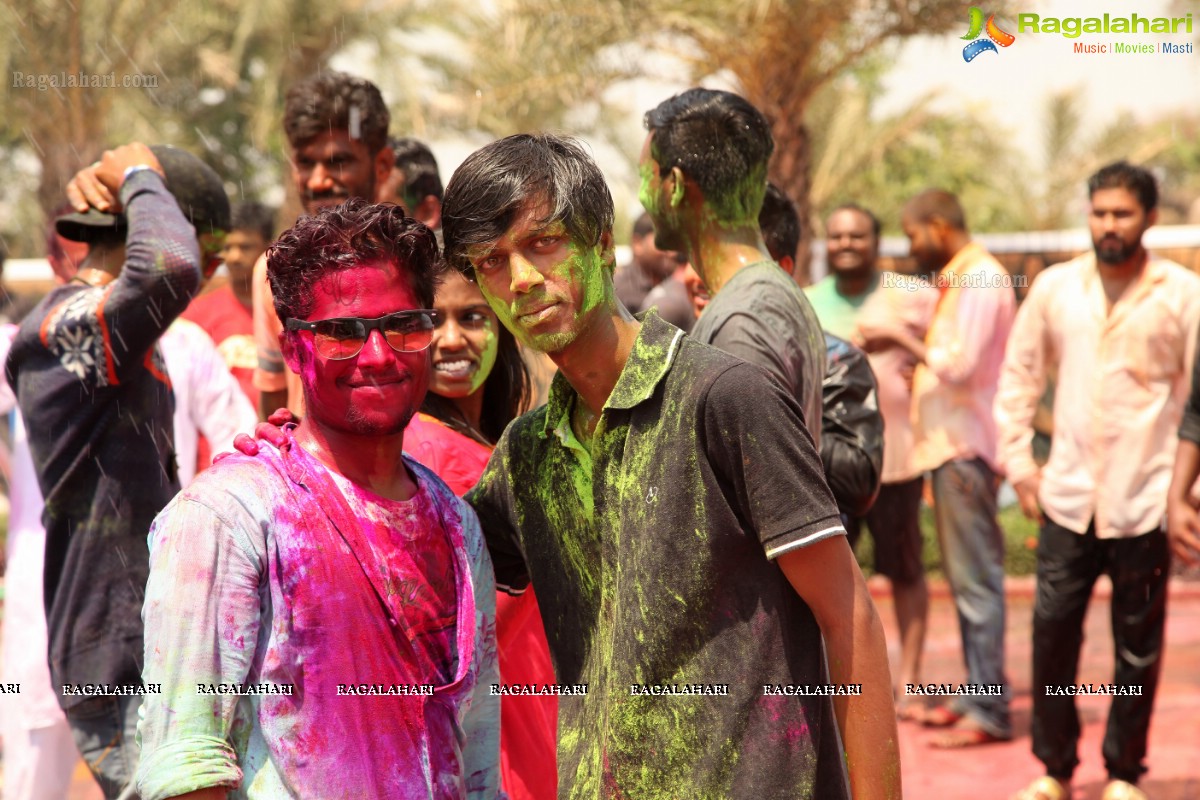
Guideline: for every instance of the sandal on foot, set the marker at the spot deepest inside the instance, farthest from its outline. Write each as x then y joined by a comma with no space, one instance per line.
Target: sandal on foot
1122,790
911,711
941,717
965,734
1044,788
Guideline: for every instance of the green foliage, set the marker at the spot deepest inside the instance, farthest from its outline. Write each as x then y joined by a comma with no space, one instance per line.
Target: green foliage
883,161
220,68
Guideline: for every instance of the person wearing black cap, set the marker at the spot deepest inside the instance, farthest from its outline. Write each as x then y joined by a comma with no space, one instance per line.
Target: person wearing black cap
97,401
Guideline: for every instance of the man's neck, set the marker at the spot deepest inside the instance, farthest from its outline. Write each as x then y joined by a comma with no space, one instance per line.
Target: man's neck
1116,278
854,284
244,292
718,253
372,462
101,259
592,364
955,244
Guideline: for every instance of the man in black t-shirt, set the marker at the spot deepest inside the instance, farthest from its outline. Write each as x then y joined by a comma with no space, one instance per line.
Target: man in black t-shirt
97,403
668,505
704,174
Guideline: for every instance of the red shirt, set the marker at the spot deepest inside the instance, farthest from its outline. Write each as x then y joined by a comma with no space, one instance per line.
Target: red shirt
231,326
528,724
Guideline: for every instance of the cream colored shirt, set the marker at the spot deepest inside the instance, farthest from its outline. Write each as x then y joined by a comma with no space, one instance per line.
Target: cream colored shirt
953,391
1123,379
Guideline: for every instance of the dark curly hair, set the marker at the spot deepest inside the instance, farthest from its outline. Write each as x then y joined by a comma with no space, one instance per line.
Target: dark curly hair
336,101
342,237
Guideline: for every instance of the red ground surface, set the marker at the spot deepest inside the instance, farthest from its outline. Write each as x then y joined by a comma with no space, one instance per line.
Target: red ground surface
994,772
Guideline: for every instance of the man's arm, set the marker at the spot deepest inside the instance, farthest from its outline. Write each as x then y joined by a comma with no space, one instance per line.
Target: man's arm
217,406
492,500
828,579
1183,523
775,476
1022,382
162,259
270,376
201,597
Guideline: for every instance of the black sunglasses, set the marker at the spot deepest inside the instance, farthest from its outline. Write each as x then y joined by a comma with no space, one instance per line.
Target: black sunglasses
343,337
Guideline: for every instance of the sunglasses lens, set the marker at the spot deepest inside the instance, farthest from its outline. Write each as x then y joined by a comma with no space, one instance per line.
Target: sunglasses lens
339,338
408,333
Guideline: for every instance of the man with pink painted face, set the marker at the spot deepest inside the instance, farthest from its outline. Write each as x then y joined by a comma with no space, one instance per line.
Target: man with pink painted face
336,127
320,617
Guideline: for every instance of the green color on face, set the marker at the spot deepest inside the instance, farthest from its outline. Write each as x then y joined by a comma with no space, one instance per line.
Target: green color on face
577,283
648,189
487,359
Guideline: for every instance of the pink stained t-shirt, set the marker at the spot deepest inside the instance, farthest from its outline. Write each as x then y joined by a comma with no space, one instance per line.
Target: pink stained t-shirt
529,723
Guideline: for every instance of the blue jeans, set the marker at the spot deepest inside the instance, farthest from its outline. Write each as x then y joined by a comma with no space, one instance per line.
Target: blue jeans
964,494
105,731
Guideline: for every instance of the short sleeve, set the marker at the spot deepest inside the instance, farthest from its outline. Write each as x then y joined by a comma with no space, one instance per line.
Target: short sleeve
766,460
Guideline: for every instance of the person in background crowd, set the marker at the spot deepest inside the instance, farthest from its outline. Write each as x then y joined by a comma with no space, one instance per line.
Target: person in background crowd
1120,326
336,127
478,385
414,182
851,253
226,313
97,402
39,752
648,281
704,174
954,385
854,293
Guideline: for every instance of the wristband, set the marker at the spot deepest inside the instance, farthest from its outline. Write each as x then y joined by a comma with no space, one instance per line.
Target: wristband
136,168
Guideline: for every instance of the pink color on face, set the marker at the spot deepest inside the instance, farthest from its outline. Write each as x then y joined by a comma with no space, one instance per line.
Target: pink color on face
376,392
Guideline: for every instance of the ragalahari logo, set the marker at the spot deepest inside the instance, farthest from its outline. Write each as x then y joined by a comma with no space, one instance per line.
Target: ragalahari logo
995,35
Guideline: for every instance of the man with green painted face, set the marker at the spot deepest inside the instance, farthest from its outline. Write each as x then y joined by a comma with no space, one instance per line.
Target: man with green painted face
704,175
668,505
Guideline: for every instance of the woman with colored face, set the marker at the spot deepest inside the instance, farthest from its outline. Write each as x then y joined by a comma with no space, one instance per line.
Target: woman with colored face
478,385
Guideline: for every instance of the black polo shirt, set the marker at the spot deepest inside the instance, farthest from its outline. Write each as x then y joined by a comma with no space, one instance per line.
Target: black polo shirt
651,556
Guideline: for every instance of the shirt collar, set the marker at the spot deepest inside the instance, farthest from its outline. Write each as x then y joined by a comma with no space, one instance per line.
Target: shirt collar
963,258
653,353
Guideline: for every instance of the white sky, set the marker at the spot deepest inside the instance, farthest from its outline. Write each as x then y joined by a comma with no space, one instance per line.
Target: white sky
1006,89
1011,85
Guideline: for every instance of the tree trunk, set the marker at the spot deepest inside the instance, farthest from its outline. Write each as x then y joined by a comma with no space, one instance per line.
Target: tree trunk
790,171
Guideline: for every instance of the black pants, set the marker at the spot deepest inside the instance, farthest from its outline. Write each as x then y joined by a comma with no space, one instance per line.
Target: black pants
1068,564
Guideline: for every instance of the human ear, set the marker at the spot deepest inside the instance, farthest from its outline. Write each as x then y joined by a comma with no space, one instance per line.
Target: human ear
287,347
608,250
677,187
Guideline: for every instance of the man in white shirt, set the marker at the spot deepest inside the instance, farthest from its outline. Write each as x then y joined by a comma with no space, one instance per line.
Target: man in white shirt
1120,326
